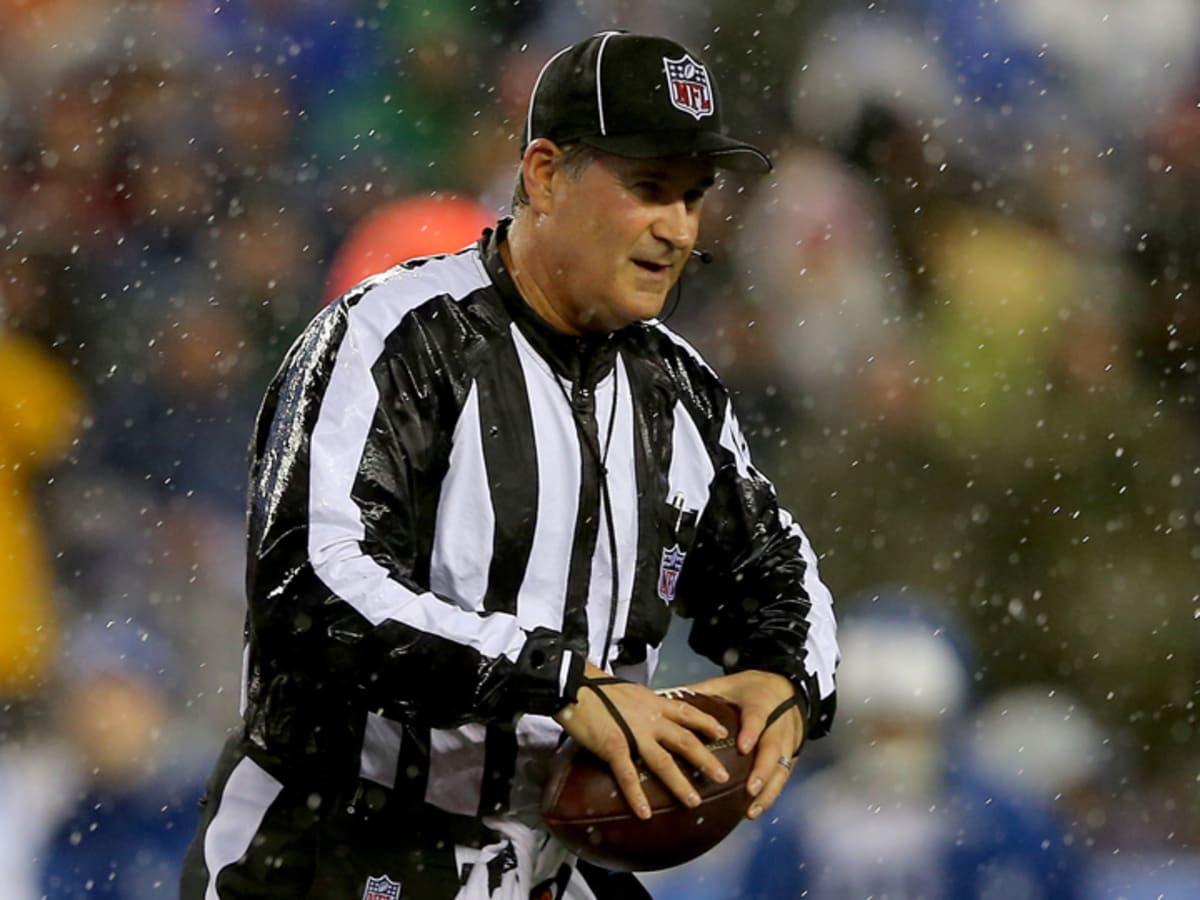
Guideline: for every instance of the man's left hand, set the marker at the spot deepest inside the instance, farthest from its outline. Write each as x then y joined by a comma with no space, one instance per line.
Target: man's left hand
757,694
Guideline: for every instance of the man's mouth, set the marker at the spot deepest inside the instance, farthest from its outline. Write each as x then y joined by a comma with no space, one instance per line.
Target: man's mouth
652,267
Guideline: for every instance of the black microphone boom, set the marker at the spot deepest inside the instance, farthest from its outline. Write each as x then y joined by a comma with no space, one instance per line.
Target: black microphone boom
703,255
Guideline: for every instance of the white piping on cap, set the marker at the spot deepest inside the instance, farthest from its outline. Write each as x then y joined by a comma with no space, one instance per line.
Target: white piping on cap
599,92
533,94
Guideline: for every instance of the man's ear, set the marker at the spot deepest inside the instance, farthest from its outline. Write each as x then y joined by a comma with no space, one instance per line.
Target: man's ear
538,167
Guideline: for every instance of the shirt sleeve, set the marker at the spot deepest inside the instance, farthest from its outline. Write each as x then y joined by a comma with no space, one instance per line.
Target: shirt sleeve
350,441
752,586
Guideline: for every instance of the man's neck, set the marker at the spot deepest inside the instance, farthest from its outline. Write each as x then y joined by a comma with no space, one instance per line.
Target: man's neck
529,273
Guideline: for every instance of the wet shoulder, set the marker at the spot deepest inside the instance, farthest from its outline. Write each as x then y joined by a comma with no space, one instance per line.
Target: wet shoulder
681,368
434,303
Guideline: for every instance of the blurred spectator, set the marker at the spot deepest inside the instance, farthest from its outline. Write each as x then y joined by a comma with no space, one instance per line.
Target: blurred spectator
177,416
403,229
827,290
40,411
1041,742
125,833
252,121
38,777
172,562
1044,745
315,47
899,812
429,81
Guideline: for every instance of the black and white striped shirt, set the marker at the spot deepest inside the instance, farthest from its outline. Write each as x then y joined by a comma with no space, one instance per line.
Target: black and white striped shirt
453,506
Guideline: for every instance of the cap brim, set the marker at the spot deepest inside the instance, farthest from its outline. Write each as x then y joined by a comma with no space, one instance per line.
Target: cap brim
724,151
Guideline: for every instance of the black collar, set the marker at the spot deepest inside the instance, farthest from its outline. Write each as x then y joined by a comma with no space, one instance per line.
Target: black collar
587,358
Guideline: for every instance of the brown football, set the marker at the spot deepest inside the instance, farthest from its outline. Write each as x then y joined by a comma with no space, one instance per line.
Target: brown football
583,807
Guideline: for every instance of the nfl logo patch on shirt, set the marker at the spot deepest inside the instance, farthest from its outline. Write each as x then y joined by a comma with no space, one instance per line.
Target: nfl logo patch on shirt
381,888
688,84
668,572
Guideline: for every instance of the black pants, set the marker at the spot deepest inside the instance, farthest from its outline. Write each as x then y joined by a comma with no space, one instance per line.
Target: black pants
259,838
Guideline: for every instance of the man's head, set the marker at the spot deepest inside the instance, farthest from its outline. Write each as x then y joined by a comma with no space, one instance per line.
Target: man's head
621,143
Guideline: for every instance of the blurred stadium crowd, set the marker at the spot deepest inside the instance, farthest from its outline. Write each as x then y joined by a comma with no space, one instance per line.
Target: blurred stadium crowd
960,318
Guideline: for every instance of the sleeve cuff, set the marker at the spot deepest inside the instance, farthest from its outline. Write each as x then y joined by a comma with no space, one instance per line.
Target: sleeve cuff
805,704
570,676
548,674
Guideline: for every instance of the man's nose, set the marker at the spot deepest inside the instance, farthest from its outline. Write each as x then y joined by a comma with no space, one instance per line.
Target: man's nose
676,225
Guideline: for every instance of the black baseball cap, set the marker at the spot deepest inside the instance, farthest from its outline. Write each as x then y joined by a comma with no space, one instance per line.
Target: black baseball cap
638,96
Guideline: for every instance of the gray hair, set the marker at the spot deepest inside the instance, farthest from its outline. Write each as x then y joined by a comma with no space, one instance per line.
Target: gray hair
573,159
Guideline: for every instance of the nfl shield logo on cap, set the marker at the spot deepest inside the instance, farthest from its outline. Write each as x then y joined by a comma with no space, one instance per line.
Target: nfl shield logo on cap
381,888
689,86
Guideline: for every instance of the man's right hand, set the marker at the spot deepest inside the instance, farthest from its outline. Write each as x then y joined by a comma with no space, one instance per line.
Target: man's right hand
662,728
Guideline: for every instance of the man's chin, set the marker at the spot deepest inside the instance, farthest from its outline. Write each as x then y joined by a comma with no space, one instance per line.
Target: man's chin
645,305
639,306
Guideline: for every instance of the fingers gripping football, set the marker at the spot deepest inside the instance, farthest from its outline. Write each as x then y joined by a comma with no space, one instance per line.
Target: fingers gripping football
772,728
585,808
622,722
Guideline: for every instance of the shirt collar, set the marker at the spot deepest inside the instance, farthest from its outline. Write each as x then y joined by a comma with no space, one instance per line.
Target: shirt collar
589,357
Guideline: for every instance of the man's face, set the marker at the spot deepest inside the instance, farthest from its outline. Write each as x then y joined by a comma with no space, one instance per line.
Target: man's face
623,229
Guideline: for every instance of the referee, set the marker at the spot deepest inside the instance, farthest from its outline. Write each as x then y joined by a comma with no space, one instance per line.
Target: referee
480,485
